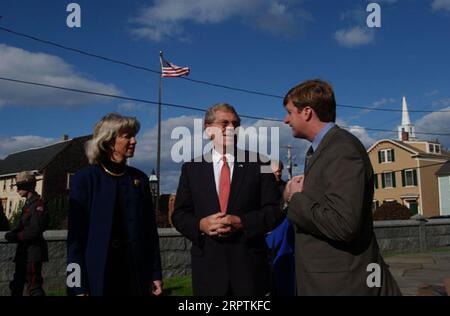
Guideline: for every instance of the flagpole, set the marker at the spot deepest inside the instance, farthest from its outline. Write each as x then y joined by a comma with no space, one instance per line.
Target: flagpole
158,157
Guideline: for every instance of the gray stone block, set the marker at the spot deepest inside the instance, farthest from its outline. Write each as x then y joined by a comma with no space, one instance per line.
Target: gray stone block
56,267
438,241
57,249
6,271
399,244
437,230
397,232
7,252
170,273
172,243
175,259
4,289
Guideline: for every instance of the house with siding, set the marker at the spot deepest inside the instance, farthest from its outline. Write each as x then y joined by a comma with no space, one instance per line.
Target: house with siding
443,175
406,170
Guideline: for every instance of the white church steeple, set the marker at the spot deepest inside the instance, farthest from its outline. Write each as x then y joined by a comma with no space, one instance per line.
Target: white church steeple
406,124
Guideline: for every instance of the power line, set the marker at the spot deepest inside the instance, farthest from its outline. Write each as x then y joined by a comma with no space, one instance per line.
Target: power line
79,51
177,105
124,63
128,64
420,167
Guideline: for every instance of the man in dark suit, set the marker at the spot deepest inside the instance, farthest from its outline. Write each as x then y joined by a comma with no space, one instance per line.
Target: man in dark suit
336,250
225,205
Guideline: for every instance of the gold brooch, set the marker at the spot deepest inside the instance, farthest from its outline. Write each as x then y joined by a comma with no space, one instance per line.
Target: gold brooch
136,182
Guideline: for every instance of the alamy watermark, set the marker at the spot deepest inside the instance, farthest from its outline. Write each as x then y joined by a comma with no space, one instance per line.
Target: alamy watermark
191,147
374,18
74,17
374,278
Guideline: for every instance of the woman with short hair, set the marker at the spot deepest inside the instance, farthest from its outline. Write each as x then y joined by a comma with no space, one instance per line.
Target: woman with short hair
112,234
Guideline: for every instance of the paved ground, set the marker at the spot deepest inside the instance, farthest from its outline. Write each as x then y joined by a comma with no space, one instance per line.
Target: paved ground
413,270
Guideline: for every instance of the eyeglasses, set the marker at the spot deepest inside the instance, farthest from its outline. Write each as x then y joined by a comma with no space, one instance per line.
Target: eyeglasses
226,123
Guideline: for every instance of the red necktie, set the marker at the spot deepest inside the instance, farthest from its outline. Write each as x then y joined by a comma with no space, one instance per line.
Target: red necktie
224,185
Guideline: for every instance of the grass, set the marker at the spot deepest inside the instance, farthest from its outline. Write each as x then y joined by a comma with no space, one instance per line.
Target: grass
175,286
178,286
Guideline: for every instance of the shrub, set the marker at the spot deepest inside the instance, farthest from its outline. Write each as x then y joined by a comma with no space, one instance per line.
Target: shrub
391,211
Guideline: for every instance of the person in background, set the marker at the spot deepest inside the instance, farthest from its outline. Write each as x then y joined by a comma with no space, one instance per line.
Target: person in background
31,249
281,244
112,233
277,168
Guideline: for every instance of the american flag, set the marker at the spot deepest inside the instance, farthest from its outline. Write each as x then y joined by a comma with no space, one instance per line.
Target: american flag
171,70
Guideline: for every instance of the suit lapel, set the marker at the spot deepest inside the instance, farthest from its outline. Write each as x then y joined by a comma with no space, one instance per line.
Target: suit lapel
209,182
239,171
323,144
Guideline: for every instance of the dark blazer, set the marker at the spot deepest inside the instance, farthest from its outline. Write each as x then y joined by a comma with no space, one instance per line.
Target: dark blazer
92,202
335,241
237,264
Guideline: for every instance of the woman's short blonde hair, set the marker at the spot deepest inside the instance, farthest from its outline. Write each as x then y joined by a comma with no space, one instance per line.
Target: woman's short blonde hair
105,132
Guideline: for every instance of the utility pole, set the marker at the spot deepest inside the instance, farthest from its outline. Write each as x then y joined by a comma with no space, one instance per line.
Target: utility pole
289,159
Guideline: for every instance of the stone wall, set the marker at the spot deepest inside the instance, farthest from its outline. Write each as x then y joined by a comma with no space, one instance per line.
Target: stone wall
398,236
412,235
175,257
53,271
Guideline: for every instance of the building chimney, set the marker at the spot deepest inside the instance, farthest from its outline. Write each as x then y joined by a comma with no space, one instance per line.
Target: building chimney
405,136
65,137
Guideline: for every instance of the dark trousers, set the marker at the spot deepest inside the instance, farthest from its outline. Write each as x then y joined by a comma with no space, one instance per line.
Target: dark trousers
29,273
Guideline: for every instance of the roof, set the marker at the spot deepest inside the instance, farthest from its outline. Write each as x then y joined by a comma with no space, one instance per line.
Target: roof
31,159
413,150
444,170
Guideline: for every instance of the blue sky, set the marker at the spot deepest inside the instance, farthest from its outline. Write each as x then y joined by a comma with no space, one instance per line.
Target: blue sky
267,46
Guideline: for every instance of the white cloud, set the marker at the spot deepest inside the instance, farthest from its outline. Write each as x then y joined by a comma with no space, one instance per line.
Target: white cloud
432,93
9,145
436,122
167,19
374,105
133,107
438,5
145,157
24,65
146,151
359,132
355,36
441,102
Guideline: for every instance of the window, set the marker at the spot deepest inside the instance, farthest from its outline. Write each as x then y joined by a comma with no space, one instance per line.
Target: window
10,207
386,155
388,180
4,185
434,148
11,184
409,177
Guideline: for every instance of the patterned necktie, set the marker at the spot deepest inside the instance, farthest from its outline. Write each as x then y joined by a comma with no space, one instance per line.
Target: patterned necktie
309,154
224,185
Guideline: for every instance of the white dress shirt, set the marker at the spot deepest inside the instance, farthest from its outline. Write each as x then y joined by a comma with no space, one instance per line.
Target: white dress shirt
218,163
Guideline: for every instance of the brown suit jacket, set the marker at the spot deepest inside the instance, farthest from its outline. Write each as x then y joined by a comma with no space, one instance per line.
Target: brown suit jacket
335,241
